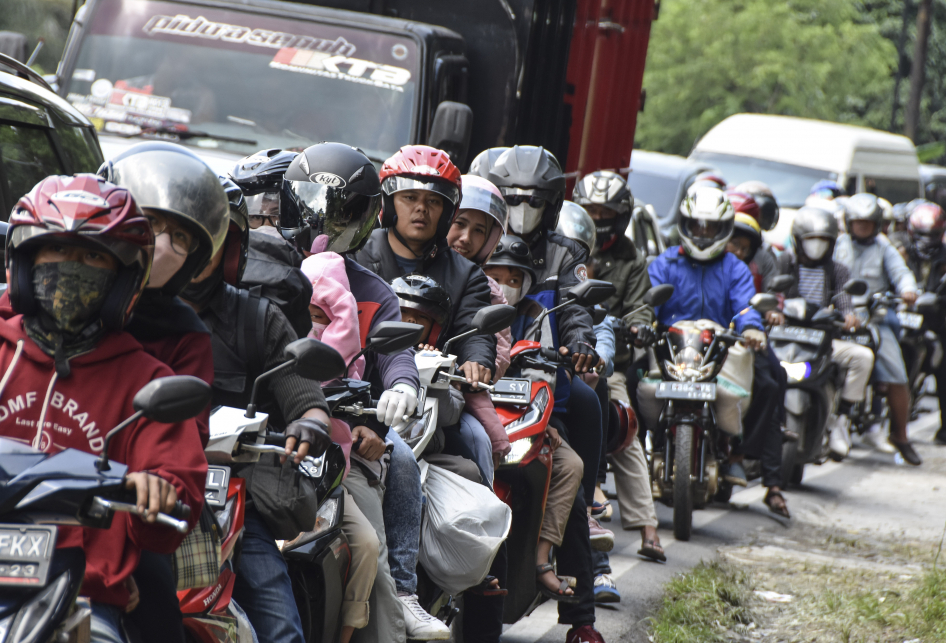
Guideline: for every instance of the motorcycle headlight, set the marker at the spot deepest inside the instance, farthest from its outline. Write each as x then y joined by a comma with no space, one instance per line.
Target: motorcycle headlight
34,616
534,414
519,450
797,371
688,366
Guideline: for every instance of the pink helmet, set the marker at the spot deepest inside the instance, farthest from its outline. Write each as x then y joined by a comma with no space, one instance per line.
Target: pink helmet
482,196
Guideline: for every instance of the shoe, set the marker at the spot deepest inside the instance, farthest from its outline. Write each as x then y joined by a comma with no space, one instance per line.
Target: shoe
940,437
876,438
839,437
420,625
606,511
584,634
736,475
605,590
601,539
909,453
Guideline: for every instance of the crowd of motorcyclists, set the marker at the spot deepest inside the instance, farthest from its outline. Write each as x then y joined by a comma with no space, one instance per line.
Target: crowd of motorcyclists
158,266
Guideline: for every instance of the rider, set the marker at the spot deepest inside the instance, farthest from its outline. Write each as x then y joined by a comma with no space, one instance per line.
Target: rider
747,243
77,259
710,283
871,257
819,280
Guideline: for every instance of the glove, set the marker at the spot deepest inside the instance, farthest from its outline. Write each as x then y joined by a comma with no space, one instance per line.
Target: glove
581,348
754,336
312,431
645,335
395,403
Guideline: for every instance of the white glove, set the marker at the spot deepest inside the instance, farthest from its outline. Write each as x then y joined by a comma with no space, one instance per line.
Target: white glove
395,403
754,336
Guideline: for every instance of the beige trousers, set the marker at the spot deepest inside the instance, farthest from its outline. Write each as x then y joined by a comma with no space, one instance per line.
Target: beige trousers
631,475
857,361
567,469
364,545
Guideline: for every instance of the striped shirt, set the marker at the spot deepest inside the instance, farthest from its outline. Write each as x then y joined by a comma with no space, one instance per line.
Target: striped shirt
811,285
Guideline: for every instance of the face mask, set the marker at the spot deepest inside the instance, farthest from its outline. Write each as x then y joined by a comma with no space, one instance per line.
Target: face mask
523,218
71,293
318,329
512,295
202,292
166,262
815,248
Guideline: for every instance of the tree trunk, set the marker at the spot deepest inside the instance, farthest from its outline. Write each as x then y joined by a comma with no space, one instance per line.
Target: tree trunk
918,71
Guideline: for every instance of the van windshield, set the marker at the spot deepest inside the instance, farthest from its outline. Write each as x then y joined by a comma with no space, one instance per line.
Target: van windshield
791,184
894,190
240,81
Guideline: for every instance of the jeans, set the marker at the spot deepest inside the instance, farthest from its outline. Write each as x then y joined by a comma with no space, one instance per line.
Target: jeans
158,618
583,419
473,433
602,563
107,624
402,509
604,399
263,588
574,559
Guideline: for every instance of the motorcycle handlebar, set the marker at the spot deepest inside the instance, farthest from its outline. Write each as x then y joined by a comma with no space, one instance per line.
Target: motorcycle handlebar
180,510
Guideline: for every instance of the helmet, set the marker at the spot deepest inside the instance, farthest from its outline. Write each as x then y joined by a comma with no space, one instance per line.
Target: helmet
708,179
863,207
424,295
481,195
574,222
610,190
927,226
706,222
237,245
526,172
768,206
260,177
485,161
811,224
83,210
331,189
745,203
746,226
886,208
419,167
172,180
827,190
513,252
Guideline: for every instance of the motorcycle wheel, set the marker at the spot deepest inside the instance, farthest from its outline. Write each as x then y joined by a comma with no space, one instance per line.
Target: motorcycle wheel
798,474
789,454
724,492
683,483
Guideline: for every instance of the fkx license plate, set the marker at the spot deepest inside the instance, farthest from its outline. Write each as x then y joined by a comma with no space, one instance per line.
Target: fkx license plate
25,552
695,391
913,321
797,334
512,391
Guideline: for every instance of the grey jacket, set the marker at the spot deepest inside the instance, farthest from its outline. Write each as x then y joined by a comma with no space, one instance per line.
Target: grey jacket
878,263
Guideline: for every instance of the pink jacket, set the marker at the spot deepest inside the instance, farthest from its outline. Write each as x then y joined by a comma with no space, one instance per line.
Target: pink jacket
504,337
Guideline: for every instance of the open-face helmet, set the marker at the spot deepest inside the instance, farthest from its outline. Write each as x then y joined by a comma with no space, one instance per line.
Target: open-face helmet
513,252
575,223
83,210
926,226
706,222
768,206
172,181
863,207
260,176
609,190
533,185
485,161
482,196
237,245
746,226
814,233
331,189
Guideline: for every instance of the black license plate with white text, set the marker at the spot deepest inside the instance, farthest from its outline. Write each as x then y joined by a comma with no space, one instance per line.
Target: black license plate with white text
25,552
512,391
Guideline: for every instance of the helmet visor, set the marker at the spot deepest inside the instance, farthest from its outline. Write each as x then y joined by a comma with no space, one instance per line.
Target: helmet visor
486,202
704,232
443,187
345,216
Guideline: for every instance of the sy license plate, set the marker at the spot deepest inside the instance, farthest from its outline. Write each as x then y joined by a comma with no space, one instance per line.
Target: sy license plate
512,391
694,391
913,321
25,552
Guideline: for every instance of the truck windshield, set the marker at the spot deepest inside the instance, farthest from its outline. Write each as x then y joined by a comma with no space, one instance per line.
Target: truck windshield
791,184
239,81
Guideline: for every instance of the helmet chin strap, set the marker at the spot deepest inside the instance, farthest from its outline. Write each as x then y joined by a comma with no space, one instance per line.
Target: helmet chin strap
425,250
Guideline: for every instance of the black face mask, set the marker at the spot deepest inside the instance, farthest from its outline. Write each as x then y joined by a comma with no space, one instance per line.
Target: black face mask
201,293
604,232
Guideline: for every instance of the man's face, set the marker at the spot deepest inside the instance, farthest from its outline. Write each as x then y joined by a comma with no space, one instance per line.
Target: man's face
468,233
863,229
740,246
702,229
418,213
61,252
601,213
413,316
505,275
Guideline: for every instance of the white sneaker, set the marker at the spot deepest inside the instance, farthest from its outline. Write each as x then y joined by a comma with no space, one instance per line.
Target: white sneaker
876,438
420,625
839,439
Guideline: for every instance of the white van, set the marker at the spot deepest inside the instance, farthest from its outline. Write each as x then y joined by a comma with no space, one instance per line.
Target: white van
792,154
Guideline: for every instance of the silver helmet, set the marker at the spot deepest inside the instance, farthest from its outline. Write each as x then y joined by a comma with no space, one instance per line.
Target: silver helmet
814,233
574,222
863,207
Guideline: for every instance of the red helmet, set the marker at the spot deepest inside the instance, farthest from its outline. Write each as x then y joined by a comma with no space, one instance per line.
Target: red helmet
81,210
420,167
926,225
709,179
744,203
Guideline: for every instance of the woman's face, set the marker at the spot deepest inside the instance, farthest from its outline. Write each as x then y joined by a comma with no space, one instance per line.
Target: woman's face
468,233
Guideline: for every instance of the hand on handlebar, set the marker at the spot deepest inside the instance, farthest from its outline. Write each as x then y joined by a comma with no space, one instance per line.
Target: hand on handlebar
909,298
583,356
851,322
644,335
311,432
366,443
155,494
754,339
775,317
474,373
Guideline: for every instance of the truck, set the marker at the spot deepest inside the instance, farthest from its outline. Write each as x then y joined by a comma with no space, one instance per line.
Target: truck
229,78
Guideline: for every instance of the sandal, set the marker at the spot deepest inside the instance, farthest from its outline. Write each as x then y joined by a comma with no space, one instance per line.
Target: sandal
485,588
568,582
781,510
650,550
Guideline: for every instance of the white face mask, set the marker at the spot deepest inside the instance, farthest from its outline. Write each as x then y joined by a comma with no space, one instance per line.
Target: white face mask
523,218
815,248
318,329
166,262
512,295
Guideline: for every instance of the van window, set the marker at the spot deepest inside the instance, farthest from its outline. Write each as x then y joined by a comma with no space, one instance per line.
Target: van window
894,190
850,186
26,157
659,191
791,184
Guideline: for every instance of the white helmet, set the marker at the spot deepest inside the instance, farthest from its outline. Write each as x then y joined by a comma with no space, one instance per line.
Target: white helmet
706,222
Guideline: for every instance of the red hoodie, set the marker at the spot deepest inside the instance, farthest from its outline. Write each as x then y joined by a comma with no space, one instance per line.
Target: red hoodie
80,410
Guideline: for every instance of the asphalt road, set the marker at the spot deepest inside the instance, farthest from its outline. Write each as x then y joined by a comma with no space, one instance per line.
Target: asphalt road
844,494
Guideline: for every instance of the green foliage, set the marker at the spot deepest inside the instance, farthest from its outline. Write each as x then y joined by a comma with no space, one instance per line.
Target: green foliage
48,19
709,59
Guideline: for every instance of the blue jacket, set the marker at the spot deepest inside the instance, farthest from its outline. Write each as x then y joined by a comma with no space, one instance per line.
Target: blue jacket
717,290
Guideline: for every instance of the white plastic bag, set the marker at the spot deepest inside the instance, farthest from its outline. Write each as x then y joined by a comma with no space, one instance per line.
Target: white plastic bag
464,526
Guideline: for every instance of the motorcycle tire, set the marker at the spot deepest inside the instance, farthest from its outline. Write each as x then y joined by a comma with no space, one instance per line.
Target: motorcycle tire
683,483
789,455
798,474
723,492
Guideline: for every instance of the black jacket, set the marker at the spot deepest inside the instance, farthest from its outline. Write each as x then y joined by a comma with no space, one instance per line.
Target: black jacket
463,279
559,265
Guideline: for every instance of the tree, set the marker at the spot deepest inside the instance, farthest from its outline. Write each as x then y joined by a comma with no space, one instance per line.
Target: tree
709,59
47,19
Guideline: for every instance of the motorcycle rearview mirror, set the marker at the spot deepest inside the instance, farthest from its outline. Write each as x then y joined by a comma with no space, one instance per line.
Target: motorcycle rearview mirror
309,358
486,321
590,292
927,303
781,283
856,287
658,295
388,338
167,400
764,302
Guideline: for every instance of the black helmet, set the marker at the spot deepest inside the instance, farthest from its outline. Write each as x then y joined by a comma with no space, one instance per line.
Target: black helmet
513,252
525,173
237,244
260,177
610,190
333,189
863,207
424,295
172,180
485,161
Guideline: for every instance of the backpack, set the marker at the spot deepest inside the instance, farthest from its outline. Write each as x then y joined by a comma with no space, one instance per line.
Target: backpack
272,269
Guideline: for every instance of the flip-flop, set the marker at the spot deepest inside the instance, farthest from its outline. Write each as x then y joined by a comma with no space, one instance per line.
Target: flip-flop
781,511
556,595
648,550
485,588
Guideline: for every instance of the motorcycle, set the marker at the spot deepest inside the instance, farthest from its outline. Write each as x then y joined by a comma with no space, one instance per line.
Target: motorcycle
922,349
40,583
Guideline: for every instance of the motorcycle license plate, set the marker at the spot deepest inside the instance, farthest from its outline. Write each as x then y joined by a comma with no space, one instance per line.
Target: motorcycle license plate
25,552
512,391
913,321
694,391
797,334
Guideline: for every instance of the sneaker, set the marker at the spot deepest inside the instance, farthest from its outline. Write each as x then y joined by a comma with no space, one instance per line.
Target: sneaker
584,634
605,590
601,539
736,475
876,438
420,625
839,436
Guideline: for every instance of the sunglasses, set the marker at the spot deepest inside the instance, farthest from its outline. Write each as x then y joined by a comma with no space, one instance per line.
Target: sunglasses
532,200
